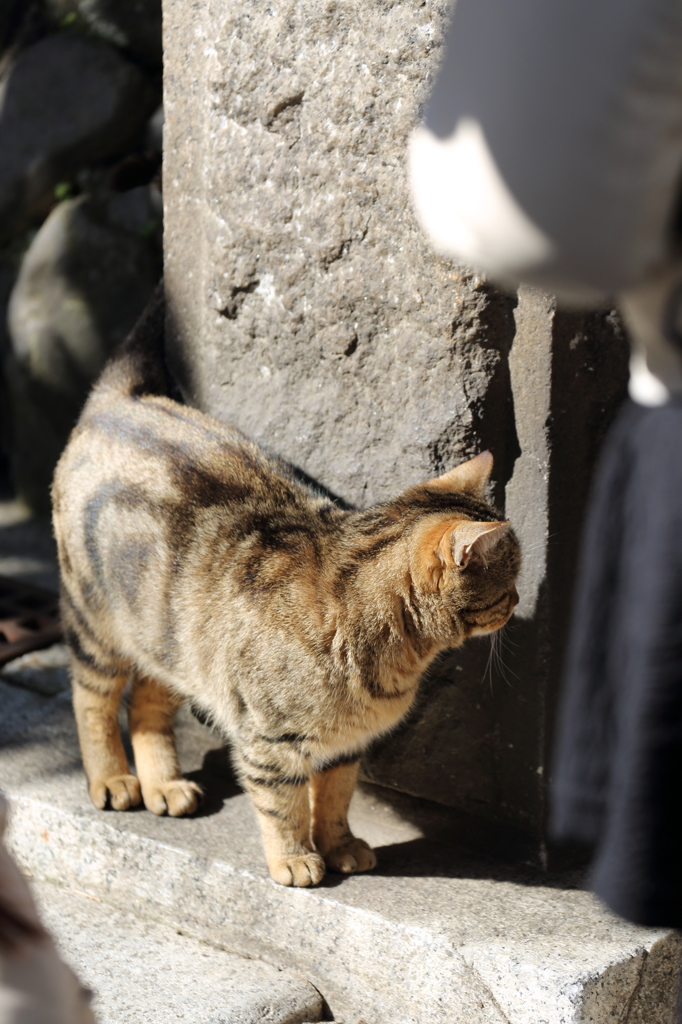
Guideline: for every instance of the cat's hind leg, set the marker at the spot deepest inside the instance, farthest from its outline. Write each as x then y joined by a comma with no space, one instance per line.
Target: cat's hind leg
330,794
276,778
151,716
97,688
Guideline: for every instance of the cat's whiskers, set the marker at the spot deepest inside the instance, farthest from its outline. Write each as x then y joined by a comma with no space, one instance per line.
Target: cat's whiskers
488,671
501,641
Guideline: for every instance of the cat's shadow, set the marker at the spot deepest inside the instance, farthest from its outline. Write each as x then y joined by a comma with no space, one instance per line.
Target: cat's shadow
426,857
217,780
446,849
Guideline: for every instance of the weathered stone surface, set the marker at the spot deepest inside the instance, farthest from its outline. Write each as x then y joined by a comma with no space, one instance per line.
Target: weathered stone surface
84,281
145,973
306,306
45,672
134,26
431,935
68,101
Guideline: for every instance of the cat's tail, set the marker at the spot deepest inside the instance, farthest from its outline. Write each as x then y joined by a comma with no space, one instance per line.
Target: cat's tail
137,365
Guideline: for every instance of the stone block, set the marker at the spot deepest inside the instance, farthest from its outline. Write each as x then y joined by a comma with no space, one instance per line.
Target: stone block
45,672
142,972
431,935
307,308
480,738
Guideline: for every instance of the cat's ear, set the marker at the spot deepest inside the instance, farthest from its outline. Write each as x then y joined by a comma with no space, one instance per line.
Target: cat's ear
469,539
443,545
469,478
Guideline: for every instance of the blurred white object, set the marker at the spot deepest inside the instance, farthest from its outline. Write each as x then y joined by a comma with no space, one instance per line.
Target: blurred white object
652,315
551,154
480,220
36,986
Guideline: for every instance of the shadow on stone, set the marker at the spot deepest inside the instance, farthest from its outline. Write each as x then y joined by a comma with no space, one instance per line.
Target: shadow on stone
216,778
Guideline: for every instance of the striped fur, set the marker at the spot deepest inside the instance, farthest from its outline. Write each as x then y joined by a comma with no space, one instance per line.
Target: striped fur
198,566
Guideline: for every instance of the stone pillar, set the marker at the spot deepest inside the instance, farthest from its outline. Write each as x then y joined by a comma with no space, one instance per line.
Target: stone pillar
307,307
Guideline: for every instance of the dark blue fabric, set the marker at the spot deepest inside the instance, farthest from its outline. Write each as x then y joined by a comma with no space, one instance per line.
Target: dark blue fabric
617,779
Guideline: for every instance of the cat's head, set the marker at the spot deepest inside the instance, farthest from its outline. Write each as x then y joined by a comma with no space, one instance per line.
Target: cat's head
465,559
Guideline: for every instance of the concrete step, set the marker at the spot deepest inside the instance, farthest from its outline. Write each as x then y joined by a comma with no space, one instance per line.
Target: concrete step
431,936
143,972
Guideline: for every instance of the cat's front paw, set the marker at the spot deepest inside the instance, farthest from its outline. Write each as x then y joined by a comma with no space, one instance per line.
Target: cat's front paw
176,798
122,792
300,869
353,856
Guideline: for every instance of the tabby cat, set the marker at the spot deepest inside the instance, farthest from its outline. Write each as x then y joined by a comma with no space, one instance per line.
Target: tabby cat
198,567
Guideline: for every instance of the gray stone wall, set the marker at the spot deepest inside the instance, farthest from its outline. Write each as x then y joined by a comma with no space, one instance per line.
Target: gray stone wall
328,329
307,307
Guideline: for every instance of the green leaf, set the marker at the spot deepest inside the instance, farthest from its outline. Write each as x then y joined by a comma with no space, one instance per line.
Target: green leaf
62,191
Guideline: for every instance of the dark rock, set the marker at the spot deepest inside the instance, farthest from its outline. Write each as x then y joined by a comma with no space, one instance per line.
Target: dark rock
135,170
154,134
82,285
11,12
134,25
22,23
68,101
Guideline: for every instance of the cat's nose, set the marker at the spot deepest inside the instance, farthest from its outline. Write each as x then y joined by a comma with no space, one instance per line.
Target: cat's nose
513,598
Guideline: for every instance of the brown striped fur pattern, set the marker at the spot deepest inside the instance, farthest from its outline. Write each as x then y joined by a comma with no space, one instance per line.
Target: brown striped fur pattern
197,567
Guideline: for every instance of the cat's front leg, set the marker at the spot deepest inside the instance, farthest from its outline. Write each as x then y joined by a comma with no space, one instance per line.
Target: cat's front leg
151,716
97,689
279,791
331,792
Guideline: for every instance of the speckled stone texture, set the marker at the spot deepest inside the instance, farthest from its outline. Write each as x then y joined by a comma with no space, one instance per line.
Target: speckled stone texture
431,936
307,307
326,327
142,972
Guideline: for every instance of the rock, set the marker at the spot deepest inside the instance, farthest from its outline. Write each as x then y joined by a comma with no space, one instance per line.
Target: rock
142,972
298,274
68,101
429,937
84,281
11,12
154,133
8,275
45,672
27,548
134,26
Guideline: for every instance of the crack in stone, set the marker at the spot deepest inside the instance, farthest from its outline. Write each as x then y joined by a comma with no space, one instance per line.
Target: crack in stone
237,295
636,988
286,104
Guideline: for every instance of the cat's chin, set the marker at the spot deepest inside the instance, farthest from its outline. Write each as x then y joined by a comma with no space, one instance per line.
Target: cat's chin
484,630
493,628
